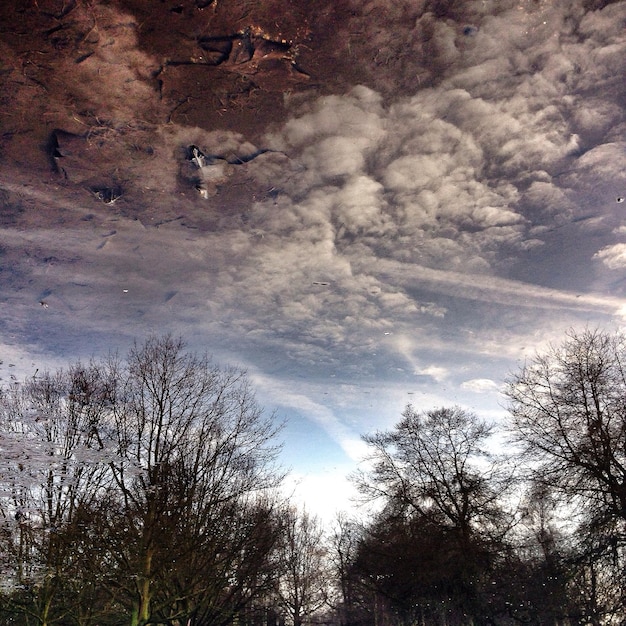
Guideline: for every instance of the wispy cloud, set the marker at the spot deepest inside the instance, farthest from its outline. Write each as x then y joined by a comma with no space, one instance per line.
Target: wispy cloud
282,394
489,288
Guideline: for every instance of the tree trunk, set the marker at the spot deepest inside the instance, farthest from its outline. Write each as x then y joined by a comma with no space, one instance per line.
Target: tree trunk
141,610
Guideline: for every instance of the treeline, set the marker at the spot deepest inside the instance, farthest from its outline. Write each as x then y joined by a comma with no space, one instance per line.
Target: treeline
145,490
466,536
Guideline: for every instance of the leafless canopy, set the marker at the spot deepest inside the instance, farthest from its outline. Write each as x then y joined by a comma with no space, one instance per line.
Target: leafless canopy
568,415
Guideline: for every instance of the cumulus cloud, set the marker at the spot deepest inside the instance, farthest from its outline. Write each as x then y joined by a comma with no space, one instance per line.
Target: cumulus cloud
436,372
381,202
614,257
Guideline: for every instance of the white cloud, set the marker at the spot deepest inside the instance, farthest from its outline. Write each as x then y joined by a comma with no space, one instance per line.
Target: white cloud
490,288
480,385
437,373
336,156
614,257
356,115
495,216
324,494
282,394
411,172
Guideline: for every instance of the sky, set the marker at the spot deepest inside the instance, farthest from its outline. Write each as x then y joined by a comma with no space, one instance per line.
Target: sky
414,232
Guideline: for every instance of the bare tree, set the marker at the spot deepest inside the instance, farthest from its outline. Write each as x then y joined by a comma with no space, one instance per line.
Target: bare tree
192,450
436,462
568,417
53,466
345,539
442,515
304,580
142,486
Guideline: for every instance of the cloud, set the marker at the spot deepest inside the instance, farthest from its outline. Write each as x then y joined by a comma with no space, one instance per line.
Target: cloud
436,372
385,211
489,288
439,190
357,115
614,257
281,394
481,385
324,493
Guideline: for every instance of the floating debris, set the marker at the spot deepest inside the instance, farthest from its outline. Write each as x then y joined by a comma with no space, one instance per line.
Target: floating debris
210,170
203,191
83,57
250,43
108,195
197,157
63,145
200,159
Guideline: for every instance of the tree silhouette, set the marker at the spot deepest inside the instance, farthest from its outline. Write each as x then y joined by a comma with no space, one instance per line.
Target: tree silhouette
148,479
439,536
568,417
